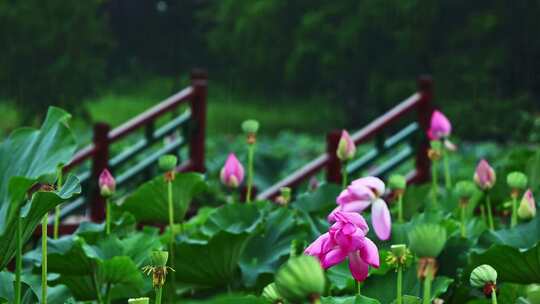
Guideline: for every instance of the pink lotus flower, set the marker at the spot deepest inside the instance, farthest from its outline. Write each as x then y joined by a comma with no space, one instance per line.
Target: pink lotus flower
440,126
346,148
346,238
232,173
484,176
107,184
361,194
527,207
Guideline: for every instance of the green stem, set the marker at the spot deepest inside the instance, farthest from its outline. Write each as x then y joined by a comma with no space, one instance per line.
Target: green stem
18,263
44,224
108,294
108,216
344,175
513,221
96,287
427,286
171,209
57,208
251,151
434,186
483,214
489,212
399,285
159,292
493,297
400,208
358,288
171,242
463,228
447,177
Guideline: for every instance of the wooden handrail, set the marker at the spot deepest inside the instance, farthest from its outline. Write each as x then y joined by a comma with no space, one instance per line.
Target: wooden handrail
420,101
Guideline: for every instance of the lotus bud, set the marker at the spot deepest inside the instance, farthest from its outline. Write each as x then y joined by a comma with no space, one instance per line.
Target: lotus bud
516,181
48,179
232,173
397,182
440,127
300,278
465,189
484,176
250,127
485,277
427,240
271,294
346,147
107,184
168,162
139,301
527,206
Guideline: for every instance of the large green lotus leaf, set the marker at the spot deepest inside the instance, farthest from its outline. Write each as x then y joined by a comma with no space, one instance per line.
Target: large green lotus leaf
383,287
229,299
349,300
7,291
512,264
25,156
522,236
32,214
212,259
55,294
267,250
149,203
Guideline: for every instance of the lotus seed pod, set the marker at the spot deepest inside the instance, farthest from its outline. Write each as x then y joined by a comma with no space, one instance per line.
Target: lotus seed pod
397,182
399,250
482,275
427,240
516,180
139,301
159,258
271,293
301,277
465,189
48,179
250,126
167,162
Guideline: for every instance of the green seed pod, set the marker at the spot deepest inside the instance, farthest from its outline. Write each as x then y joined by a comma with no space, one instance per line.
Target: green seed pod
167,162
397,182
301,277
250,126
427,240
159,258
271,293
465,189
482,275
516,180
399,250
139,301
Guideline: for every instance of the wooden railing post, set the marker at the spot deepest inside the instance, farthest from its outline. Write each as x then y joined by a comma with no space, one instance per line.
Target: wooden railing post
199,81
100,162
333,166
424,111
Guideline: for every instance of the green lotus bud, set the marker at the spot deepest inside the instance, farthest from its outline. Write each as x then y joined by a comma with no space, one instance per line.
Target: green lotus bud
482,275
465,189
48,179
250,126
516,180
167,162
159,258
301,277
397,182
139,301
427,240
271,293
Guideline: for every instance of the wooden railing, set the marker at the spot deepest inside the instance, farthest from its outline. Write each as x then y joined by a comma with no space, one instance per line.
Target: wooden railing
191,124
419,102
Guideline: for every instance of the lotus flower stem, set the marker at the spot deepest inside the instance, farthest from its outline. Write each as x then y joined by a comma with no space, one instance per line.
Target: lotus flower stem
171,243
463,228
44,224
489,212
399,287
427,284
493,297
447,177
108,294
344,175
400,208
159,292
18,263
483,214
96,287
434,186
57,208
513,221
358,288
251,151
108,216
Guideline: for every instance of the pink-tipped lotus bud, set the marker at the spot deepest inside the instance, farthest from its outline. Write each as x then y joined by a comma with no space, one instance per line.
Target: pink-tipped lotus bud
440,126
484,176
232,173
107,184
527,206
346,148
